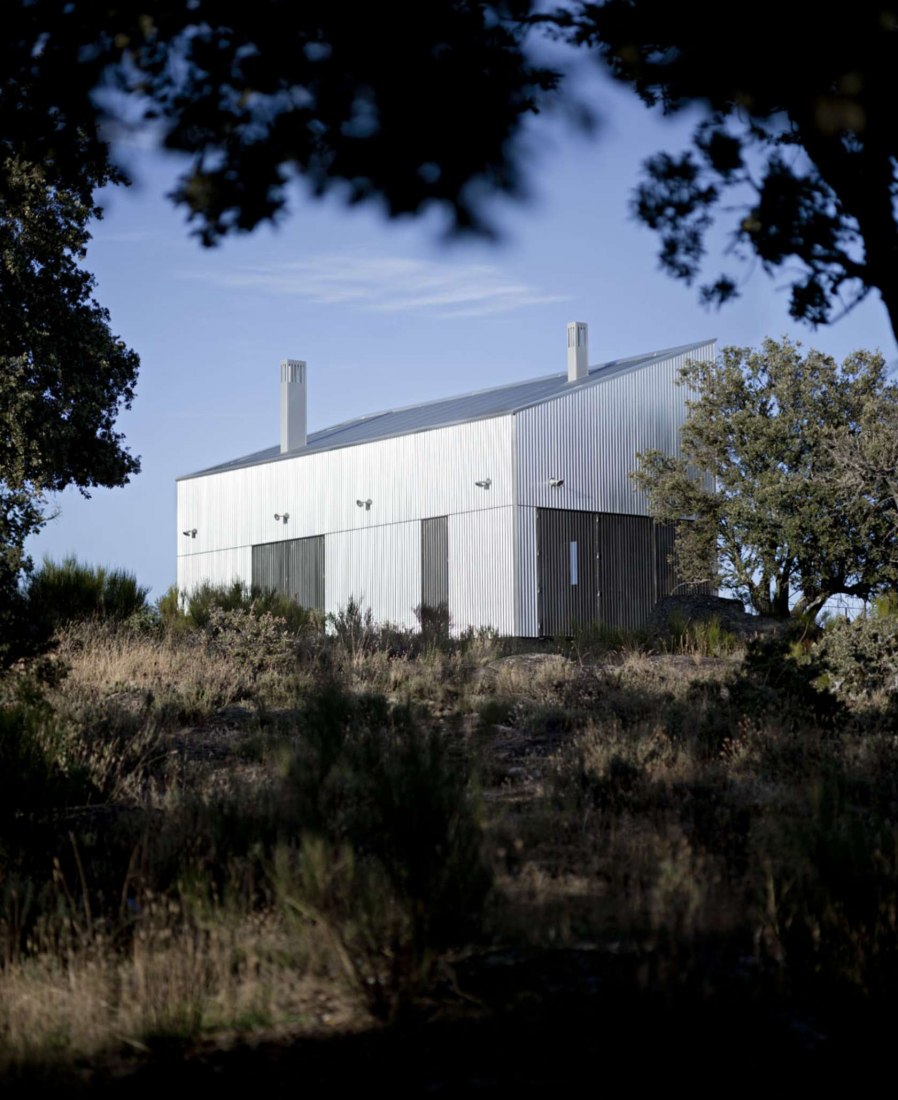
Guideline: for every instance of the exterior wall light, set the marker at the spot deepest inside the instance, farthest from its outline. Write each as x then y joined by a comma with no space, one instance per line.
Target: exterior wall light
485,484
366,504
191,534
282,518
556,482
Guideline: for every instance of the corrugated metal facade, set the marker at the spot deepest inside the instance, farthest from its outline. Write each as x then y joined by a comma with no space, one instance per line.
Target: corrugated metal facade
295,568
527,611
590,438
214,567
407,478
379,568
599,567
627,575
481,570
369,501
435,561
566,552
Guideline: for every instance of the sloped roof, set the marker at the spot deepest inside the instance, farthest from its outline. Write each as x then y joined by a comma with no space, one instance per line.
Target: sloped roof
445,411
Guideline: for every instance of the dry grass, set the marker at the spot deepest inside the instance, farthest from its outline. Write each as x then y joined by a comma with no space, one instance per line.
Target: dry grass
324,855
179,980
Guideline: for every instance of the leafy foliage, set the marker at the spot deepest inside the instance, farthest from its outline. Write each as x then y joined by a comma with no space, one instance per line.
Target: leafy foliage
259,93
760,479
197,609
794,148
795,143
861,656
64,377
69,591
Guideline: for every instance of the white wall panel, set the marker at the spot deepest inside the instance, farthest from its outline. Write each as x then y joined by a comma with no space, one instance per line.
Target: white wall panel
481,569
591,436
380,568
410,477
216,567
527,608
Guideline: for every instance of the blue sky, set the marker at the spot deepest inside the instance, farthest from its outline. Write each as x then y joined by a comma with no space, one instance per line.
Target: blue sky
385,313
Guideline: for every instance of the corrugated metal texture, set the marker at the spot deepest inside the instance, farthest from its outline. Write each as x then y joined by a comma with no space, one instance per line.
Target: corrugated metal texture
435,561
443,412
295,568
431,473
599,567
380,568
590,437
665,570
527,612
668,578
566,566
217,567
481,570
626,570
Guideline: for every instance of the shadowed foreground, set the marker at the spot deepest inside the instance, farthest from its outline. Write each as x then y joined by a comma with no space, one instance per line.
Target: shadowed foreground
232,854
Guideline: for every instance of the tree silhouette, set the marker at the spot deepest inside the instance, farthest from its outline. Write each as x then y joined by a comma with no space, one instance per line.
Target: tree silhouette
796,147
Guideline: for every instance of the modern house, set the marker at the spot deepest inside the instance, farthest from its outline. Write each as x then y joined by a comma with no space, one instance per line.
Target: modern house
512,506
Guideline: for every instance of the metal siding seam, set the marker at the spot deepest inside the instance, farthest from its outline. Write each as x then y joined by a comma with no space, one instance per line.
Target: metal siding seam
481,569
215,567
435,561
527,621
591,436
379,567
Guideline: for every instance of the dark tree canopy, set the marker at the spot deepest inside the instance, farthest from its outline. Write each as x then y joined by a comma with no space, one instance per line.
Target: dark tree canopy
795,151
414,104
781,488
409,102
64,377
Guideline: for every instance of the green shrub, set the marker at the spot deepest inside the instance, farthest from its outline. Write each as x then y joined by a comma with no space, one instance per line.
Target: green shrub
781,678
434,622
36,774
258,641
70,591
193,610
861,657
354,628
706,637
364,776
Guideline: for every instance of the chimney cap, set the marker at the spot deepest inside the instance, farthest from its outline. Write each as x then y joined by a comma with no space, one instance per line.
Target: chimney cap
577,351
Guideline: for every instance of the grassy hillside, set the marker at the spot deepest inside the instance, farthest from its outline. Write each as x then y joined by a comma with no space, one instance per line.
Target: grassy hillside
279,851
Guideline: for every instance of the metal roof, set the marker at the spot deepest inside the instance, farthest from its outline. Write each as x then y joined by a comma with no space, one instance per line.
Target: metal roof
443,412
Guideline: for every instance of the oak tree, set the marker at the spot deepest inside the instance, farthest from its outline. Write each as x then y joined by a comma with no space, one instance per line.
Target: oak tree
758,492
795,146
64,376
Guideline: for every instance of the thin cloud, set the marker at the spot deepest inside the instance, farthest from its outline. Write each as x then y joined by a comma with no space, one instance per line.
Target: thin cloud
387,285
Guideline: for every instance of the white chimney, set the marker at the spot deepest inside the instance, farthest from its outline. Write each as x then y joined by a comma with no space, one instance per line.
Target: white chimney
293,404
577,351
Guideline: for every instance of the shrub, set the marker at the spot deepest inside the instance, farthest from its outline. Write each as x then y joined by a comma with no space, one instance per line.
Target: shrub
258,641
434,621
705,637
194,609
365,778
861,657
354,628
69,591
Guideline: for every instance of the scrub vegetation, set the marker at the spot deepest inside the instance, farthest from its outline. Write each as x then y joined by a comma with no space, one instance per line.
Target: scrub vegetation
223,831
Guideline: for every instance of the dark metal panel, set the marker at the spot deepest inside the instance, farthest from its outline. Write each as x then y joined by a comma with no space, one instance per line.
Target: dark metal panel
305,571
626,569
566,572
669,581
268,571
294,567
665,569
600,567
435,562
